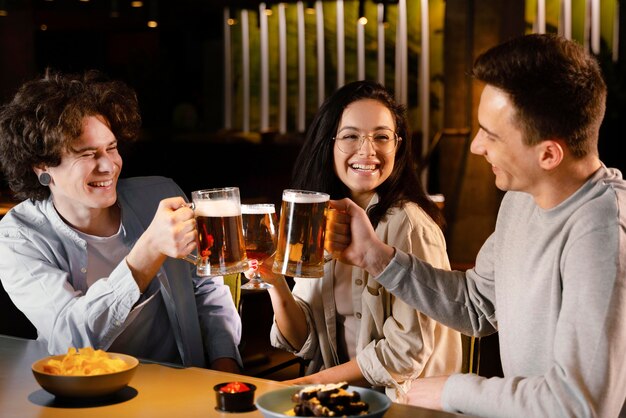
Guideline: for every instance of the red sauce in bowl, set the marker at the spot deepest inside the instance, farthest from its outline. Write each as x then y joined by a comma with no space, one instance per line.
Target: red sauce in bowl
234,387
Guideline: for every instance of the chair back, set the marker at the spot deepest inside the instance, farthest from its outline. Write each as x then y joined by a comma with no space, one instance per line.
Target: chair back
233,281
12,321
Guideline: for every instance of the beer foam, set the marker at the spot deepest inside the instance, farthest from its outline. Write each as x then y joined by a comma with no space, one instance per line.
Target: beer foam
257,209
215,208
296,196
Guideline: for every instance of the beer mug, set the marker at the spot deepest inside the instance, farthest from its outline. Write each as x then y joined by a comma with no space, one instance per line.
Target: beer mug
301,231
221,247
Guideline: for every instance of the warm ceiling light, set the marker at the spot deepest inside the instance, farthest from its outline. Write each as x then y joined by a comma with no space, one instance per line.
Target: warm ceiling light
3,12
231,21
114,13
310,8
362,21
268,12
362,12
152,23
136,3
43,27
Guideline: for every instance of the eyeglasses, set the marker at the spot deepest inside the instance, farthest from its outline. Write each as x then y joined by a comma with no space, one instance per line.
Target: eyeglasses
384,141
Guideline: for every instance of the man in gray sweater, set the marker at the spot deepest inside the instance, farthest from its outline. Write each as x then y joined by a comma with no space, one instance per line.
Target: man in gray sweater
551,278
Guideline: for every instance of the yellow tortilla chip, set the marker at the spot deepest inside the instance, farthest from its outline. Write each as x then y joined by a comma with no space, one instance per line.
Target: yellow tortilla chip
85,362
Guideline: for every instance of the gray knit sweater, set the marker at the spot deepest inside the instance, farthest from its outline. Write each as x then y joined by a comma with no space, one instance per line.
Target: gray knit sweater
553,283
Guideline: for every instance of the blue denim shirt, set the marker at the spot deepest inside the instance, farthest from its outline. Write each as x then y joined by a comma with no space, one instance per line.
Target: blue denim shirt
43,265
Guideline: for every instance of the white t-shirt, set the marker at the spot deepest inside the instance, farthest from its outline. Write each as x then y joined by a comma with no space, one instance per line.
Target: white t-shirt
148,318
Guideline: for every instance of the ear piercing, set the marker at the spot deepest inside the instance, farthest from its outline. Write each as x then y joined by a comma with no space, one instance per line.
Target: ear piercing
45,178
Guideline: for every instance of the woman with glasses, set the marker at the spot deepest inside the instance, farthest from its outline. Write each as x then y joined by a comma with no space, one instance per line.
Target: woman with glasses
349,327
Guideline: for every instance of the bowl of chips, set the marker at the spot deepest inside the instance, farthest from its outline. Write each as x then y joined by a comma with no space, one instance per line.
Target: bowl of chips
336,399
84,373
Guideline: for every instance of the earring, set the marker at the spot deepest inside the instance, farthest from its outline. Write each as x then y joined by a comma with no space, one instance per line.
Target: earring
45,178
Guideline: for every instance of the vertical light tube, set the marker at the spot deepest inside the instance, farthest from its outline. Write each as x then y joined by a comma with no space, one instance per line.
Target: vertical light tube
403,51
341,52
360,48
425,84
398,60
282,69
615,54
321,66
228,68
380,24
567,18
265,73
245,57
595,26
541,16
586,25
301,69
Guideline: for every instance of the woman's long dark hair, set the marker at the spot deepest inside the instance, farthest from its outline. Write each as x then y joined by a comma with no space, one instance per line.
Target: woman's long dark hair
314,167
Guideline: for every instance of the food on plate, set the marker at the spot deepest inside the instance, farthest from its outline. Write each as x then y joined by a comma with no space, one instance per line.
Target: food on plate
85,362
328,400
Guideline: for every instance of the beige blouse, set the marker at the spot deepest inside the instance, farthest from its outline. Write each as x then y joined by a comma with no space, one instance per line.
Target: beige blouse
395,344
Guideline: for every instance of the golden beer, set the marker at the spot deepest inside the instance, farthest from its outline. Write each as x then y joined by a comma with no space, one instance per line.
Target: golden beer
300,248
259,226
221,247
259,230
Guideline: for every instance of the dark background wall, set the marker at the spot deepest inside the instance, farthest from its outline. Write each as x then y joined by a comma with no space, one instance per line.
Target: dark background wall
177,71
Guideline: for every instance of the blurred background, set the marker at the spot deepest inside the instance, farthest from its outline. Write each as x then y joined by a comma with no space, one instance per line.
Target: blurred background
227,88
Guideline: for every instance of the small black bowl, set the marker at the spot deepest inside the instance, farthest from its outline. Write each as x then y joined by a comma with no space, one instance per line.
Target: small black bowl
235,401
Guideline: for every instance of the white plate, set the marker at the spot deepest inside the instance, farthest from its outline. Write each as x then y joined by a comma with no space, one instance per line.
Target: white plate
274,404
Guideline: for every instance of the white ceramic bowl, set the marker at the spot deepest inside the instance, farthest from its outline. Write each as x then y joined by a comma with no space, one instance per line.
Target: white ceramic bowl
84,386
274,404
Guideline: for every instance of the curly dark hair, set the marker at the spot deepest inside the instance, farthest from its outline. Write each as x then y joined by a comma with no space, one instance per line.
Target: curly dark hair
46,116
314,167
555,86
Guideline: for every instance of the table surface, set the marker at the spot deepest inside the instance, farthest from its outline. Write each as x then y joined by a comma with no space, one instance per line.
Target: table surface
155,391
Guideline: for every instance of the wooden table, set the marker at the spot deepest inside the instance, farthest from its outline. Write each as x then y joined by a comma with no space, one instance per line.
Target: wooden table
155,391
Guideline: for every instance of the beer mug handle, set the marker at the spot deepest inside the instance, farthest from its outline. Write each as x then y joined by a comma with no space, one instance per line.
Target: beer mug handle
190,257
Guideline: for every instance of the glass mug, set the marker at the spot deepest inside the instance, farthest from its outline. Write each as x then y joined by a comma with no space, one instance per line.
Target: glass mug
301,232
259,229
221,247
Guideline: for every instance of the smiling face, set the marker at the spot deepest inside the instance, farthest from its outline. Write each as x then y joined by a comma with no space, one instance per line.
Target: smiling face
84,184
365,169
501,142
